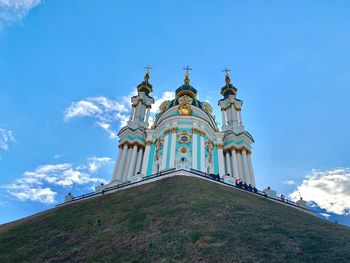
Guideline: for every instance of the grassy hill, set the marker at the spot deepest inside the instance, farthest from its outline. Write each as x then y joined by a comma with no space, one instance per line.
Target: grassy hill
178,219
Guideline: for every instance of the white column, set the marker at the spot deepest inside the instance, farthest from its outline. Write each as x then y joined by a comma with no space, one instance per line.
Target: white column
132,162
240,165
234,164
147,114
132,113
223,118
194,149
146,158
165,150
240,122
127,162
221,160
251,171
142,112
234,116
115,170
120,171
139,159
228,163
172,148
245,166
229,116
202,149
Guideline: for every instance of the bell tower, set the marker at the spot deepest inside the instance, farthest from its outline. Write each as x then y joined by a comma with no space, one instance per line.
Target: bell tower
230,107
141,104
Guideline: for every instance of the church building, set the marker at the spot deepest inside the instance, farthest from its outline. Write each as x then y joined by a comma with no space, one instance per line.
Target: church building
184,136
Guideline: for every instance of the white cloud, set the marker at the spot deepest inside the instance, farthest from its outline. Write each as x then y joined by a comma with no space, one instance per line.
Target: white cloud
6,137
105,112
25,192
36,185
327,216
58,156
330,190
12,11
94,163
167,95
289,182
102,109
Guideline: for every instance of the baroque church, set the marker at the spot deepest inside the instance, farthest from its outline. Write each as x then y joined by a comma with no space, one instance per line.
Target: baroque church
184,136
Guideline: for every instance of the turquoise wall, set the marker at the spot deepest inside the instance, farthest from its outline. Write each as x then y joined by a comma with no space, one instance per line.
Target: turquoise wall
150,160
169,151
216,160
198,151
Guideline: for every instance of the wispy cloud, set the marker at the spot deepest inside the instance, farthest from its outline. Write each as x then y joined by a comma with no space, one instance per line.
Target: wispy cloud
6,137
167,95
290,182
12,11
327,216
330,190
102,110
106,112
95,163
37,185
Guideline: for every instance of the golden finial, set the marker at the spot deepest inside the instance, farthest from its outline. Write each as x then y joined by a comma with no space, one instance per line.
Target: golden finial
148,67
227,76
187,75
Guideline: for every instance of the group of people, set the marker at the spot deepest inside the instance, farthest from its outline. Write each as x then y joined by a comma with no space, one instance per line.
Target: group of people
238,182
216,177
245,186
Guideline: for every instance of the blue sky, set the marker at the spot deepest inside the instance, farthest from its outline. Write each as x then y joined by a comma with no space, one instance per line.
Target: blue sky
67,69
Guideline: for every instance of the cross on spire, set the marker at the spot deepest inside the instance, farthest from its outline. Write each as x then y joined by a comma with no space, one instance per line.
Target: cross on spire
187,68
148,67
226,70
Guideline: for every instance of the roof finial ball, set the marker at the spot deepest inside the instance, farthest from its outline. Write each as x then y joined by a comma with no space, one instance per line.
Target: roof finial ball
187,75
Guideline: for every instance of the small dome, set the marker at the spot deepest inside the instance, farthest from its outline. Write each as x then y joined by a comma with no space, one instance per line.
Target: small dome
145,86
228,89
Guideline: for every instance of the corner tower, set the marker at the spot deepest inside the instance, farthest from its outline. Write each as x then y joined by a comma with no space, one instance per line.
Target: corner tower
237,141
133,136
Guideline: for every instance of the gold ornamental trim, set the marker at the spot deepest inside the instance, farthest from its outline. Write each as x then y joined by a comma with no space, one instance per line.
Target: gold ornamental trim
220,146
184,109
202,133
174,130
149,142
186,92
195,130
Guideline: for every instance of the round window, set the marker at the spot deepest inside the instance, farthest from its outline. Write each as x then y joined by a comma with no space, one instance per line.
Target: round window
184,139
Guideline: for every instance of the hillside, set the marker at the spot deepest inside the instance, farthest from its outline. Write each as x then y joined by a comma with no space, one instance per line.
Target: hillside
178,219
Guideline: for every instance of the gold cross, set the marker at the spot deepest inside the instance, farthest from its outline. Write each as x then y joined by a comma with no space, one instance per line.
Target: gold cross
187,68
226,70
148,67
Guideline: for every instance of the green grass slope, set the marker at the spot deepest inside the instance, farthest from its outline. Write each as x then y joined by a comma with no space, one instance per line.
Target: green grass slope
178,219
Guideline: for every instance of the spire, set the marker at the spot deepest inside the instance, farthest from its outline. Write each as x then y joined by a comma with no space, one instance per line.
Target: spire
186,88
227,76
145,86
187,75
148,67
228,89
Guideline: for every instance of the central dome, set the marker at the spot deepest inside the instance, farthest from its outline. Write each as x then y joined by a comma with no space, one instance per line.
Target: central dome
186,89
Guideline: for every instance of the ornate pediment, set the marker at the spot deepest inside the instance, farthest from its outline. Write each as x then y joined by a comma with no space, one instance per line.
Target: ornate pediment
185,100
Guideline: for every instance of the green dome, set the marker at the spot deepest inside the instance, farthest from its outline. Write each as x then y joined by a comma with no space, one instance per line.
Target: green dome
186,90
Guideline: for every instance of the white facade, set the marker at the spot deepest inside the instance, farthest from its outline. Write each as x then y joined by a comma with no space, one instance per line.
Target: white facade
184,136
